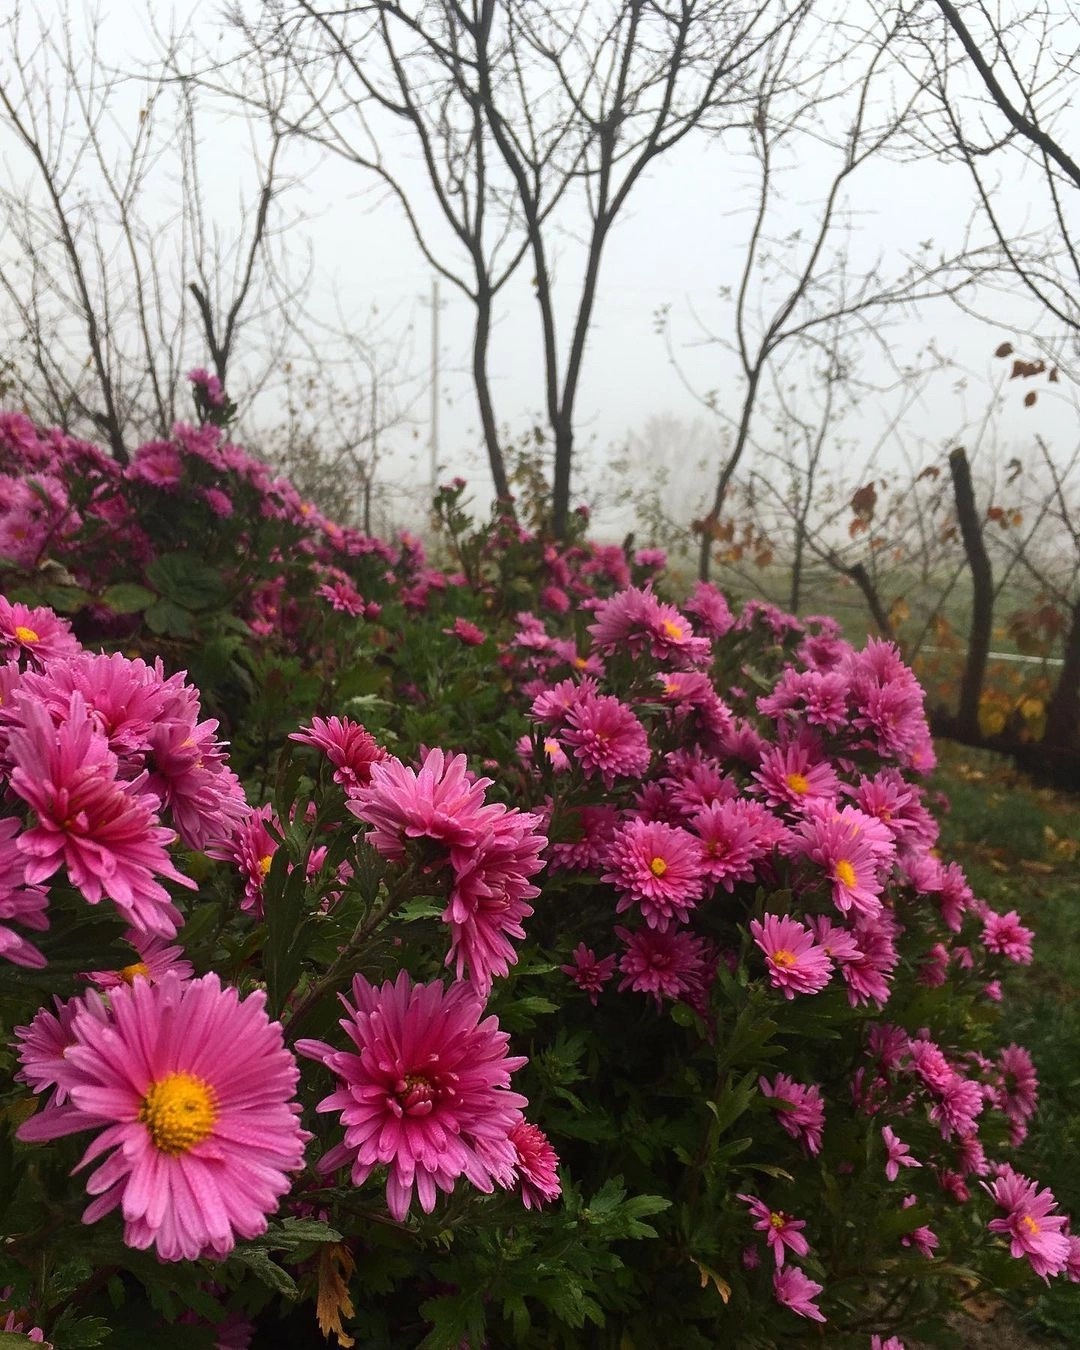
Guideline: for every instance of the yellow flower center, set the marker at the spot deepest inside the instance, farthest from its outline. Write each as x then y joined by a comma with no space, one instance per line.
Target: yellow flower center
798,782
670,688
551,748
845,873
138,970
580,663
26,634
777,1219
672,630
179,1111
658,867
264,863
1030,1224
782,957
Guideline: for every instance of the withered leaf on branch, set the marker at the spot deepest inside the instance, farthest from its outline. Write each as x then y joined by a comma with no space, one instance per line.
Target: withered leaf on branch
336,1265
1006,349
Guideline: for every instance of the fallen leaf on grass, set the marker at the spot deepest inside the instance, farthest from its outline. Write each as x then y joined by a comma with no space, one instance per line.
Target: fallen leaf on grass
1035,868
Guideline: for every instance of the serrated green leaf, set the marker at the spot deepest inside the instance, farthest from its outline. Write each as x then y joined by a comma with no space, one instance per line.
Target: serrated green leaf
127,598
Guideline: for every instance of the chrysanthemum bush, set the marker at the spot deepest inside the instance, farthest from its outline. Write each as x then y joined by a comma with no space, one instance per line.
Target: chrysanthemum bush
566,968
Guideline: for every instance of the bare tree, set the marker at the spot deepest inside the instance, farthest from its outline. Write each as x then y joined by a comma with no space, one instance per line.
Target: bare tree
106,224
1003,82
796,285
533,124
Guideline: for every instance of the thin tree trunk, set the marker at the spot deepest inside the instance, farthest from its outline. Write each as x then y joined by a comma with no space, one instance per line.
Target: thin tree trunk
1063,711
865,582
982,599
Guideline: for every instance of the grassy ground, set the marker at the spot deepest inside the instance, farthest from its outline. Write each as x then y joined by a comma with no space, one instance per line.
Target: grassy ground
1020,847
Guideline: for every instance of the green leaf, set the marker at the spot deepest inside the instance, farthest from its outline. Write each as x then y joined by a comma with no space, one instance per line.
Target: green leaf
127,598
169,619
258,1261
71,1332
186,580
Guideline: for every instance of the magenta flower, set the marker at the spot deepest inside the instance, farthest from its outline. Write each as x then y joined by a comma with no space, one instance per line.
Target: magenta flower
440,802
890,1343
780,1229
251,848
797,965
852,849
923,1239
1006,935
1033,1230
793,775
350,748
19,903
588,972
800,1109
797,1291
426,1093
606,739
491,887
102,831
668,964
154,958
192,1089
466,632
34,633
898,1154
656,867
536,1164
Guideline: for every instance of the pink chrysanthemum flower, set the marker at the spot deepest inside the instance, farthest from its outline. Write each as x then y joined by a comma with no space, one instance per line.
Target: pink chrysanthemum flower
192,1090
552,704
189,774
34,633
19,903
42,1049
797,965
711,610
800,1109
104,832
154,958
536,1164
790,775
669,964
797,1291
598,825
426,1093
1007,936
625,622
350,748
251,849
780,1229
886,1343
588,972
1019,1090
466,632
923,1239
606,739
898,1154
441,802
491,886
123,698
851,848
656,867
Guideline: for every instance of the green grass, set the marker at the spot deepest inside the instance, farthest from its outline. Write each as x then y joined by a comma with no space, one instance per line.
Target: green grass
1020,847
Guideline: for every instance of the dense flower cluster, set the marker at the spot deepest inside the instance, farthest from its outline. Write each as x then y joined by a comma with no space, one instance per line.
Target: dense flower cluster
744,961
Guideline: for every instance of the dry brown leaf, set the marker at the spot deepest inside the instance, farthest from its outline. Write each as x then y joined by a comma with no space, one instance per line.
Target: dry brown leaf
709,1276
336,1265
1037,869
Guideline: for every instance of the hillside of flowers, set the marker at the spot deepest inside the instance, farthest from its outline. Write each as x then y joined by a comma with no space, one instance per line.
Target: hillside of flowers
474,955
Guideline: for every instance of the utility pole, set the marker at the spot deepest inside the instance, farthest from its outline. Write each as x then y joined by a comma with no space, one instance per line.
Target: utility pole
436,304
